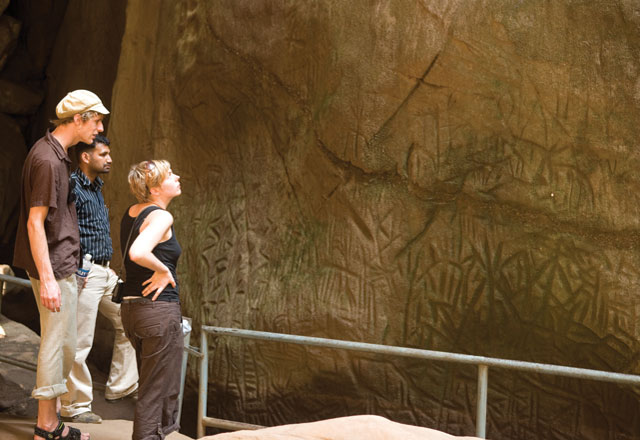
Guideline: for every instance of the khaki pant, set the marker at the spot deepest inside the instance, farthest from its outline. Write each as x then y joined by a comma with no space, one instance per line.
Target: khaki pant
123,374
57,340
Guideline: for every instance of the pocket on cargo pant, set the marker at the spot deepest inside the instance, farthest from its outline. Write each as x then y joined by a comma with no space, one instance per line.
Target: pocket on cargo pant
154,338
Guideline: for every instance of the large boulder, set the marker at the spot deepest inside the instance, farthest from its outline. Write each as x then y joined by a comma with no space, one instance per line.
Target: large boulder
21,345
343,428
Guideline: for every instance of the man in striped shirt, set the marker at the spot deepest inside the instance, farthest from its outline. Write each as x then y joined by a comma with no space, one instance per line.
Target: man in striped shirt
95,294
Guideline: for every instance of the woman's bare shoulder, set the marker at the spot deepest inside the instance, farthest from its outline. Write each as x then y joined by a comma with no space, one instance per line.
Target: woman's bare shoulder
136,210
159,218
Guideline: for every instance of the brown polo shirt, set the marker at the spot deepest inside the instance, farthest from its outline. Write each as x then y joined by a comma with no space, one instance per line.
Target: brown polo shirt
45,182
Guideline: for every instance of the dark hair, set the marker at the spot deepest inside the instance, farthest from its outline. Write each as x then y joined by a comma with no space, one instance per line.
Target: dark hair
81,147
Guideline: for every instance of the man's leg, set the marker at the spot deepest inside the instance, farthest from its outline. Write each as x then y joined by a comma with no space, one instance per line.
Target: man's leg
123,374
80,395
57,341
57,351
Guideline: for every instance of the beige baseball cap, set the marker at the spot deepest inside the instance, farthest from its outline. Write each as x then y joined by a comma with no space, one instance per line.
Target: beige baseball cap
79,101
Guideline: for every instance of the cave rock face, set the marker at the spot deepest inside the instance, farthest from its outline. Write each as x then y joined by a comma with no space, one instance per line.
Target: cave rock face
447,175
9,30
12,154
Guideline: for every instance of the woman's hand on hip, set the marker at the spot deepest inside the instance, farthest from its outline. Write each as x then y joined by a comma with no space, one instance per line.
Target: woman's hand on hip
157,283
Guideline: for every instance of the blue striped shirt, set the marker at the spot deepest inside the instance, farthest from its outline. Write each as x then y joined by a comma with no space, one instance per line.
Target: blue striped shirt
93,216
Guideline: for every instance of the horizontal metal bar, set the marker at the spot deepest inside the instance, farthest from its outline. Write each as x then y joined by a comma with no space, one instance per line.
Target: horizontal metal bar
229,424
192,351
18,363
558,370
15,280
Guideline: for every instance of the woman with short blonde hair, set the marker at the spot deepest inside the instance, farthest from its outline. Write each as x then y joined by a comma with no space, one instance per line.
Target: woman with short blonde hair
146,175
150,310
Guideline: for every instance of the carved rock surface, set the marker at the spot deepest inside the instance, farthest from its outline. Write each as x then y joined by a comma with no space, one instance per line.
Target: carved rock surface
448,175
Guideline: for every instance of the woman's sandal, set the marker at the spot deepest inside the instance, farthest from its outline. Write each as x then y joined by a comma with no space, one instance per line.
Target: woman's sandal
56,434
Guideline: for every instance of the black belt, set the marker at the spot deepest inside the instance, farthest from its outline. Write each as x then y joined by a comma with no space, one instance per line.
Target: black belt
102,262
142,299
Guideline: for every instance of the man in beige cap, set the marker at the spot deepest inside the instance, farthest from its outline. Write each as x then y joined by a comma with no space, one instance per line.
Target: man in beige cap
48,248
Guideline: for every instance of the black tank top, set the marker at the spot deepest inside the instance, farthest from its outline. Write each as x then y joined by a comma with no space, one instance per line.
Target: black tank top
167,251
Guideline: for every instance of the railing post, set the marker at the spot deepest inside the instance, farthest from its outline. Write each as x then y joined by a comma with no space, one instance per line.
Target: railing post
186,331
481,414
203,385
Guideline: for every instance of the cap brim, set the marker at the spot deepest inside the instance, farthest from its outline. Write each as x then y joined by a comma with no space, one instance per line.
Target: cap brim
98,108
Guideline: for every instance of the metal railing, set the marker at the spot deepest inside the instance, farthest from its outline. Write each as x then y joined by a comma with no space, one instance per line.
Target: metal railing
482,362
14,280
24,283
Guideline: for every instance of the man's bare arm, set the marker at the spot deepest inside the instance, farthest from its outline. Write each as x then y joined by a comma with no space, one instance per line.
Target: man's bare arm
49,289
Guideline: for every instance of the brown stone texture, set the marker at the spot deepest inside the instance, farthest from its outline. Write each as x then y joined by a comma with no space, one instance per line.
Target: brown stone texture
448,175
17,99
9,30
19,344
42,19
84,56
12,155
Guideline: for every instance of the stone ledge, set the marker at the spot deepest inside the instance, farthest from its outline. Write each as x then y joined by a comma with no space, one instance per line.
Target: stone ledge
21,344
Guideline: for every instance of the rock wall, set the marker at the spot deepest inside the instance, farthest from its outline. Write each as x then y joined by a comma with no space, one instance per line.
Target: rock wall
450,175
85,56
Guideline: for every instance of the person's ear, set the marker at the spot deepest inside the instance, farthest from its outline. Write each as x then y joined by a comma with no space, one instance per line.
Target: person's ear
77,119
85,157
